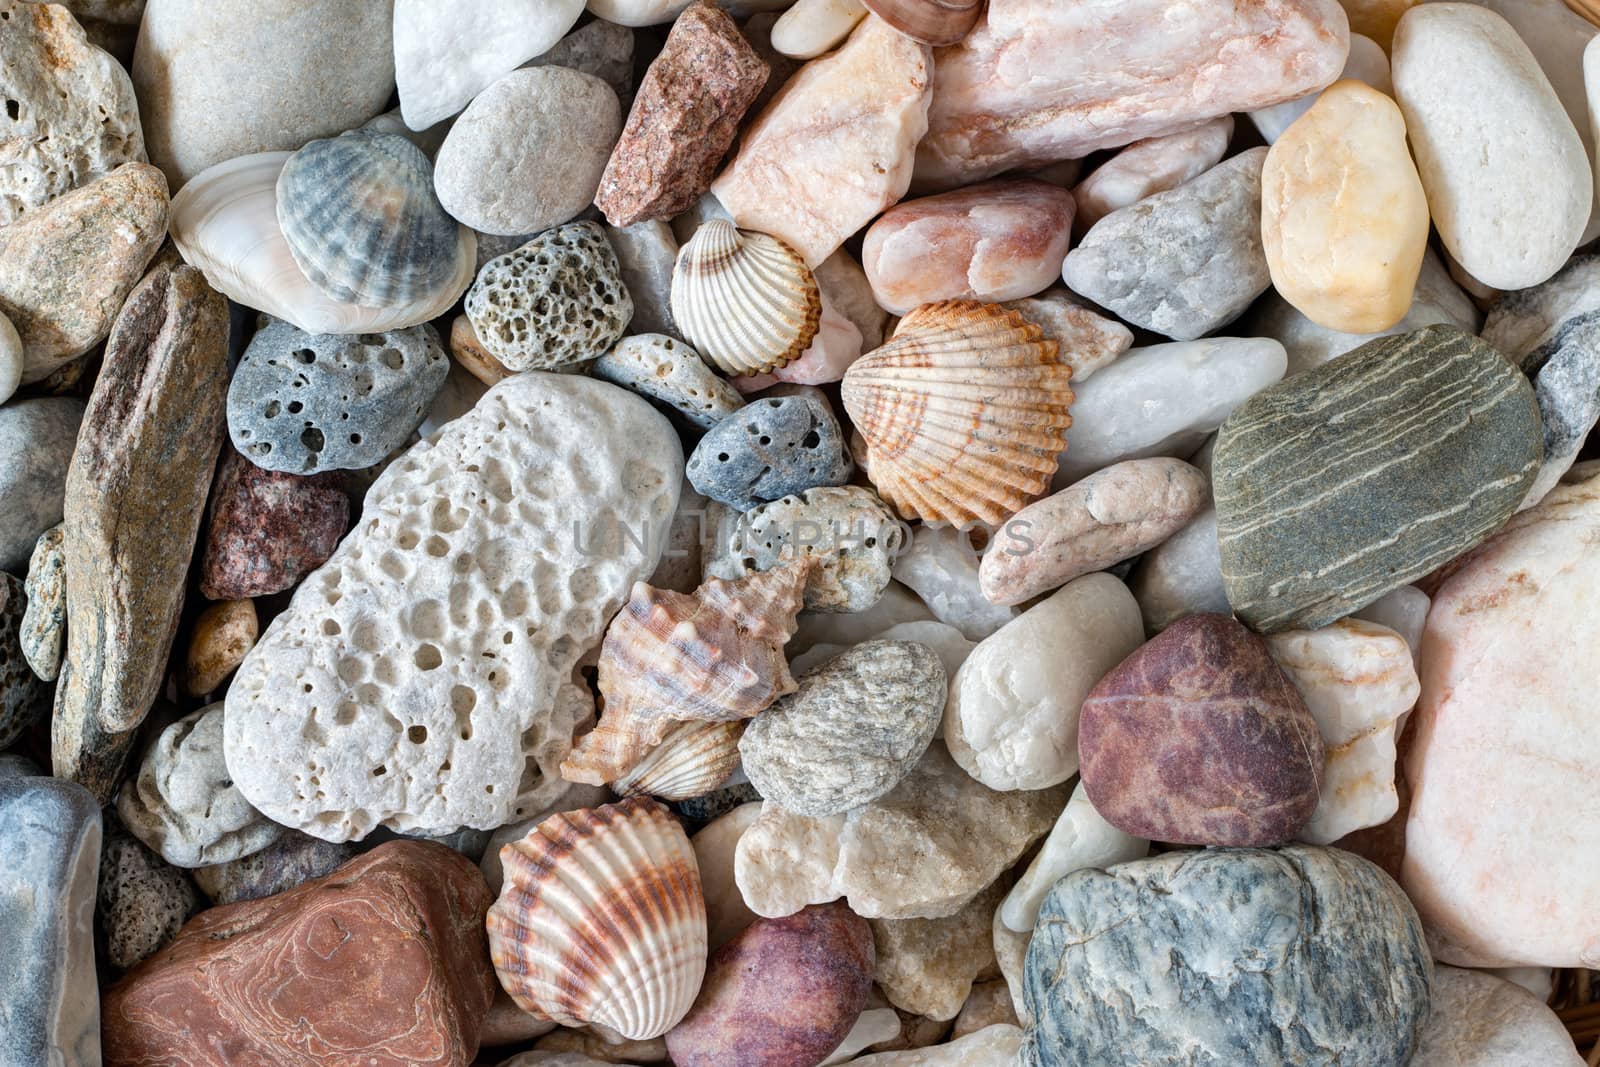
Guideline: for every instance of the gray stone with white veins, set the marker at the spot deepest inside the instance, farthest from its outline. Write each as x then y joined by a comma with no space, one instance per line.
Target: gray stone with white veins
1223,957
36,442
1184,262
770,448
856,726
671,374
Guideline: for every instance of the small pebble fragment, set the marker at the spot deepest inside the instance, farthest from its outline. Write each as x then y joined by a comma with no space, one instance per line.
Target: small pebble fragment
772,448
941,566
989,1004
812,27
142,899
1151,166
37,437
927,966
1479,1020
24,696
291,859
670,373
1087,341
44,621
1080,839
222,635
646,253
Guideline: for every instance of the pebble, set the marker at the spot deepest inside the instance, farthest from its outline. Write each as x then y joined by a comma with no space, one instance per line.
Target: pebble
1478,1020
1163,401
852,535
222,634
1012,718
599,48
1087,341
11,359
266,530
290,860
812,27
1204,693
684,119
1306,937
1510,186
142,899
24,697
836,147
1368,63
1493,823
1112,515
527,153
37,437
637,12
1344,219
854,729
873,1027
996,241
937,840
646,254
846,290
1181,576
714,847
72,114
1423,444
772,448
670,373
1376,18
783,992
1182,263
555,301
989,1004
897,605
303,403
203,98
443,58
421,738
993,1046
182,802
135,497
67,267
50,831
1042,83
1081,839
470,354
1151,166
716,803
222,992
927,966
44,621
1403,610
941,566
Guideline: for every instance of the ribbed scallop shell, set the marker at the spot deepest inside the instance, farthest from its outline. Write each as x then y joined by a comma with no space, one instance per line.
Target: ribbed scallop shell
715,655
746,301
693,759
935,22
362,219
601,920
225,223
964,413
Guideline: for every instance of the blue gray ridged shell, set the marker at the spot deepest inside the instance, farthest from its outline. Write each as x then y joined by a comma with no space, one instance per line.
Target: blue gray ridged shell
363,222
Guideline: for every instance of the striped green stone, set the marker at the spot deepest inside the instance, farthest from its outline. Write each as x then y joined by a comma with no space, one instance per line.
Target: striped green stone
1340,484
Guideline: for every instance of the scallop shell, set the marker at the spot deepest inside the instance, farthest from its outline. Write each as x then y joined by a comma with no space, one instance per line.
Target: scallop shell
362,219
935,22
746,301
694,759
964,413
601,920
225,222
715,655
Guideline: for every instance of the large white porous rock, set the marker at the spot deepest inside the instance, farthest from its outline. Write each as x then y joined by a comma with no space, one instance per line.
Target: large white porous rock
1011,720
421,679
1509,181
1502,856
1479,1020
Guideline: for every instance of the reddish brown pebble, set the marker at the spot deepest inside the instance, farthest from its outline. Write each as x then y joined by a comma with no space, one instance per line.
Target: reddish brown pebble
784,993
683,120
1199,738
267,529
382,963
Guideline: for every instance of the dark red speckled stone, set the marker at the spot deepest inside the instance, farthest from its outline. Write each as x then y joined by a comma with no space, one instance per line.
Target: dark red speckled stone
266,530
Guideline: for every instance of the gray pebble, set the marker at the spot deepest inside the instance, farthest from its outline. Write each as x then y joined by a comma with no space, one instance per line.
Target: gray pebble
16,765
36,442
290,860
143,900
716,803
304,403
44,623
23,697
601,50
771,448
647,252
672,374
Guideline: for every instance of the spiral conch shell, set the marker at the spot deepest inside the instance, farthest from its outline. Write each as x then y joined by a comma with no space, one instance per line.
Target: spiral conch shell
746,301
715,655
963,411
601,920
694,759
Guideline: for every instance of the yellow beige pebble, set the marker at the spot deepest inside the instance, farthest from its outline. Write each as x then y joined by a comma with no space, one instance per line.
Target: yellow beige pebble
222,635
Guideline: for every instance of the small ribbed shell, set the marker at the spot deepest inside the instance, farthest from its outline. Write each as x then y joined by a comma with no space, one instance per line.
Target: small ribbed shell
935,22
693,759
715,655
363,221
746,301
964,413
601,920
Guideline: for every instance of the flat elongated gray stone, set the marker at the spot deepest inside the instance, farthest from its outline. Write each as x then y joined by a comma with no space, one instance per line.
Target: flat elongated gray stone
1343,483
1227,957
1183,262
49,1003
36,441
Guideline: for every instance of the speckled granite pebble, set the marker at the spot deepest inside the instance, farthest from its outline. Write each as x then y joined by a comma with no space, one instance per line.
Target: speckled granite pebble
771,448
266,530
143,900
44,621
290,860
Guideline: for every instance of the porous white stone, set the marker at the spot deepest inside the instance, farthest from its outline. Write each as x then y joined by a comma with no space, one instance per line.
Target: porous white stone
671,373
421,679
941,566
1079,839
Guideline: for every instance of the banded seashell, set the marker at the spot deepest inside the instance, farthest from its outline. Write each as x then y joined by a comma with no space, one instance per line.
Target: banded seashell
601,920
935,22
225,223
746,301
715,655
964,413
691,761
363,222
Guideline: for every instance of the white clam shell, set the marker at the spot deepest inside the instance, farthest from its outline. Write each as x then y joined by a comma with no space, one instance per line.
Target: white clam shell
694,759
225,223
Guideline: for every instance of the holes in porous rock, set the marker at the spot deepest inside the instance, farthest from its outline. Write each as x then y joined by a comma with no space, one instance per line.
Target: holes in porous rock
304,356
345,714
417,734
436,546
379,771
407,540
355,439
271,411
13,109
331,627
811,440
462,700
391,358
312,439
295,407
427,658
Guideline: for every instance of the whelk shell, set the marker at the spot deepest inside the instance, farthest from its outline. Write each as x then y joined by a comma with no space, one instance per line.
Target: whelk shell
935,22
225,223
964,413
746,301
715,655
694,759
602,920
363,222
